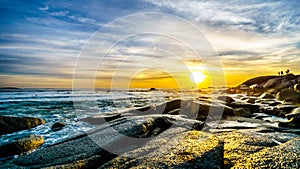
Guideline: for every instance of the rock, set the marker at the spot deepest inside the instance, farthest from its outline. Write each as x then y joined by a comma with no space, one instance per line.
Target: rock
294,114
198,109
228,100
58,126
292,123
250,100
10,124
285,155
290,76
152,89
252,107
25,144
244,112
191,149
288,95
297,87
272,83
238,145
266,96
168,106
294,119
284,85
270,102
286,108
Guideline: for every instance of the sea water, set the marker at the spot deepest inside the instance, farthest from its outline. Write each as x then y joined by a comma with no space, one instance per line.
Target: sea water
61,105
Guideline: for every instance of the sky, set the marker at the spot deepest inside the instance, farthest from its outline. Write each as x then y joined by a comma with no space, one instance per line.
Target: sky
145,43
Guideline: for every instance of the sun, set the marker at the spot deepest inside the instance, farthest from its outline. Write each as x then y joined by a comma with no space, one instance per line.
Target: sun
197,77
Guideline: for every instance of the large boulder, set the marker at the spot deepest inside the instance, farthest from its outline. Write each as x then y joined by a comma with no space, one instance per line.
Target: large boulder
288,95
244,112
285,155
10,124
25,144
191,149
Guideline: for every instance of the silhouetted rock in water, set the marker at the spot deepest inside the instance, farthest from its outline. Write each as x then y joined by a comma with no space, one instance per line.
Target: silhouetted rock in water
187,149
58,126
266,96
10,124
244,112
227,99
288,95
22,145
153,89
285,155
9,88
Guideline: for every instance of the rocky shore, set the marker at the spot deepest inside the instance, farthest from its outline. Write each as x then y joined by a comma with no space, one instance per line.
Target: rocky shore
255,125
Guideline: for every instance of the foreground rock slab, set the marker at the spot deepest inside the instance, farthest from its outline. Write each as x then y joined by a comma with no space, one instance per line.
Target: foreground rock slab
187,149
10,124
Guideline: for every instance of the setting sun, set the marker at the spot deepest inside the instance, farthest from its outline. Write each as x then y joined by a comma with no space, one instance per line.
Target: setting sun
197,77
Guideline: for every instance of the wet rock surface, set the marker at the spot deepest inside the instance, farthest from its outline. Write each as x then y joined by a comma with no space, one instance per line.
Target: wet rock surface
10,124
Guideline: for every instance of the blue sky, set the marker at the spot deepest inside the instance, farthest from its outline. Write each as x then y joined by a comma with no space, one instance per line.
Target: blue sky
41,40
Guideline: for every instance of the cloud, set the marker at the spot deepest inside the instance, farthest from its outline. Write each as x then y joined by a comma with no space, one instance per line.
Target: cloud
256,16
44,8
36,37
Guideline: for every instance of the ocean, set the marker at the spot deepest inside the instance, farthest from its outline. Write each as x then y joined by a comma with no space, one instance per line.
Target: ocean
59,105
